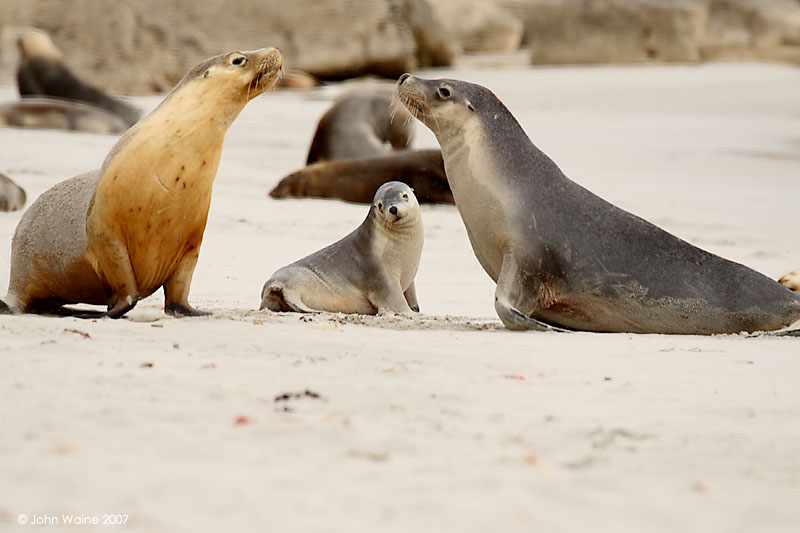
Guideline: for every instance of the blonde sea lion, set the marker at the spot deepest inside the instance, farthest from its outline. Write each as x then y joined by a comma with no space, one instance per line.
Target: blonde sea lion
369,271
360,124
357,180
42,72
12,196
52,113
560,255
116,235
791,281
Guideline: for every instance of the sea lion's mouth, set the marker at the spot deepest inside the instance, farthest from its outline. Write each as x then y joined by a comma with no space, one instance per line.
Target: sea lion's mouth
268,66
411,97
266,78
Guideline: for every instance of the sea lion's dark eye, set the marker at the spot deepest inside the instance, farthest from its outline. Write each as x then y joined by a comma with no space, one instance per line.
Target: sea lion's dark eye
239,60
380,205
405,196
444,92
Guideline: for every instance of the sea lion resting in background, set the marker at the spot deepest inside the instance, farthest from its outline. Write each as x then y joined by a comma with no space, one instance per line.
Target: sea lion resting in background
563,256
34,112
116,235
357,180
791,281
359,124
42,72
370,270
12,196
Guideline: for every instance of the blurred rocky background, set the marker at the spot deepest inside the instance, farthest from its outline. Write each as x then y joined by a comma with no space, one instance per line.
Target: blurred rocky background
138,46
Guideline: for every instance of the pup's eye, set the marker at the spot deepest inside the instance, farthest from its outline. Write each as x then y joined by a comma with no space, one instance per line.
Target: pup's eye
238,60
380,205
444,92
405,196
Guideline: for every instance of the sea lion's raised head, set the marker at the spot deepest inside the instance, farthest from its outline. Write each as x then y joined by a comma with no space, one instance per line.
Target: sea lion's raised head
395,205
238,75
443,103
36,43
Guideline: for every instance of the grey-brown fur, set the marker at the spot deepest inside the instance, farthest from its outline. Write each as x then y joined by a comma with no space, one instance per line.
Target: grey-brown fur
357,180
49,242
369,271
562,256
51,113
360,124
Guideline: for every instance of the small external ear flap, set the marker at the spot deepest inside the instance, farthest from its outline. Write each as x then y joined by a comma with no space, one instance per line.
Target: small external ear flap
469,106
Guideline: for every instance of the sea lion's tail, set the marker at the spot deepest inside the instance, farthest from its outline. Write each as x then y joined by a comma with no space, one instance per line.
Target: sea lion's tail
791,281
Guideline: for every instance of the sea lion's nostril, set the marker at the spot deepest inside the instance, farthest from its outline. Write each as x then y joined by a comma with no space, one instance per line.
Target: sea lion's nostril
403,78
393,210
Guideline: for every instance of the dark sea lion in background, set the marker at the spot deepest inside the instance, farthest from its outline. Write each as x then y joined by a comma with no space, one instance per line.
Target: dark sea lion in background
12,196
357,180
562,256
42,72
116,235
360,124
369,271
52,113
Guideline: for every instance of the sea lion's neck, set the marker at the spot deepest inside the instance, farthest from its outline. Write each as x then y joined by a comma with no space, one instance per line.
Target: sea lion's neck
185,135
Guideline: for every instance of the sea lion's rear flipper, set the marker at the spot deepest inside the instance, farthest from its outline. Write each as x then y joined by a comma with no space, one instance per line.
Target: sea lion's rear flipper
5,309
275,297
512,291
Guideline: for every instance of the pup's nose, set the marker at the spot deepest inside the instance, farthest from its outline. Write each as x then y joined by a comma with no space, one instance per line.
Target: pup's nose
403,78
393,210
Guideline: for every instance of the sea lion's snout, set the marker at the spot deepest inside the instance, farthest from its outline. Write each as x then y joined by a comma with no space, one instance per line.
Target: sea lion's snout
393,210
403,78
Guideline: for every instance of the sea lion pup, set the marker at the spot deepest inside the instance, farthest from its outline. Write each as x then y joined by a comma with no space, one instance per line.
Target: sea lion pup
357,180
52,113
116,235
42,72
562,256
12,196
369,271
359,124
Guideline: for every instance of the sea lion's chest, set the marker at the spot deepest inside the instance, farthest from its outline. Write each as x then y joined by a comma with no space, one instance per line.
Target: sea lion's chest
481,202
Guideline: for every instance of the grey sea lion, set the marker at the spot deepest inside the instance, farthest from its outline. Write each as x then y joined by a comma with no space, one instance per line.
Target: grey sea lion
369,271
42,72
562,256
116,235
357,180
12,196
360,124
52,113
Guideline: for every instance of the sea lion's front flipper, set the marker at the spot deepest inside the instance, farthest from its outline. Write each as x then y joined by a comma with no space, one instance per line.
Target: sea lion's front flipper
176,288
411,297
388,296
519,289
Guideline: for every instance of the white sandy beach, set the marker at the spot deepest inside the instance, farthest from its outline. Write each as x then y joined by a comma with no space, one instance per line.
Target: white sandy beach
252,421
